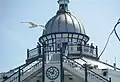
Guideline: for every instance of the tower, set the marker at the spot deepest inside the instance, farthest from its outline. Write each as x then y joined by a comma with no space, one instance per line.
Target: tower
64,36
65,28
62,54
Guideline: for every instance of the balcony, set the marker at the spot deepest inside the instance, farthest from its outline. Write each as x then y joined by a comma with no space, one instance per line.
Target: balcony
73,50
82,50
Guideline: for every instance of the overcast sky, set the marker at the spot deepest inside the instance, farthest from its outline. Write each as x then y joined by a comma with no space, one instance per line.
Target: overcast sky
97,16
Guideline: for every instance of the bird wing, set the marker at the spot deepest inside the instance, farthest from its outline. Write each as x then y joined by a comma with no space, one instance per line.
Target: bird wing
42,27
32,27
24,22
29,23
32,23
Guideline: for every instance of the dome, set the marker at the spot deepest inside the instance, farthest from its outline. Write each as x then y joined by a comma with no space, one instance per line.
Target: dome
64,22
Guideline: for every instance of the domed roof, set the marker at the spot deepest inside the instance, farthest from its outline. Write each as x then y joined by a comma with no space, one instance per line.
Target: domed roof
64,22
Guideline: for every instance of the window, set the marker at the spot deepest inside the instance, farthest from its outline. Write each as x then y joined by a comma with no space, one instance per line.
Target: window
79,47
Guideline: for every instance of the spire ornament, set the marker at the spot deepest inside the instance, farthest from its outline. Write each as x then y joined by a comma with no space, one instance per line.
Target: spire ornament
63,4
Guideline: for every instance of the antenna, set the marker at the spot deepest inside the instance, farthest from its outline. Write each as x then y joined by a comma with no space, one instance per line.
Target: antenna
114,64
106,65
115,59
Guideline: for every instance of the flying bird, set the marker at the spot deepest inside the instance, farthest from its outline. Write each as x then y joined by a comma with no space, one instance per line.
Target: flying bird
33,25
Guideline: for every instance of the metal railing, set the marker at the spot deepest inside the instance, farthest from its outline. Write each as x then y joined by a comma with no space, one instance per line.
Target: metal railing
90,74
22,71
33,53
86,50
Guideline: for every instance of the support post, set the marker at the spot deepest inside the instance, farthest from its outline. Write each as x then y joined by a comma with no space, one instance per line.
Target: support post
27,54
96,51
39,49
43,64
61,63
19,75
80,48
85,72
109,79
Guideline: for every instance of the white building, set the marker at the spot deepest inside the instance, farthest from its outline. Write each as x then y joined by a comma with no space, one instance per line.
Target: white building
63,55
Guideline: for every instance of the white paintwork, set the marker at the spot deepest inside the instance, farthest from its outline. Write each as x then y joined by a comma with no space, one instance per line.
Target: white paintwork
76,71
115,75
33,70
55,64
79,72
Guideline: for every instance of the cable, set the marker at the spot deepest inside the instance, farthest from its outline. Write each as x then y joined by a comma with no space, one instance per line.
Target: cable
117,35
116,31
106,44
109,37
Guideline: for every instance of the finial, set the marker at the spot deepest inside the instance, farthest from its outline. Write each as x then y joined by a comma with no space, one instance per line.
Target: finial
63,4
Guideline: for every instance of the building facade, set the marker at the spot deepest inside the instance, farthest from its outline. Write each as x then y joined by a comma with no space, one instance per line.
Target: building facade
63,55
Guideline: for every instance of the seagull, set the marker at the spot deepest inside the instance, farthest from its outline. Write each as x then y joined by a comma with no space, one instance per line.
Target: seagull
33,25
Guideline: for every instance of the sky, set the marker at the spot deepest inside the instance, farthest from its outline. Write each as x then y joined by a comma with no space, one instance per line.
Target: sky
97,16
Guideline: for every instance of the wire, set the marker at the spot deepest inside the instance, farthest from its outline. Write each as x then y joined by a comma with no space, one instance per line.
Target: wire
114,30
106,44
117,35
